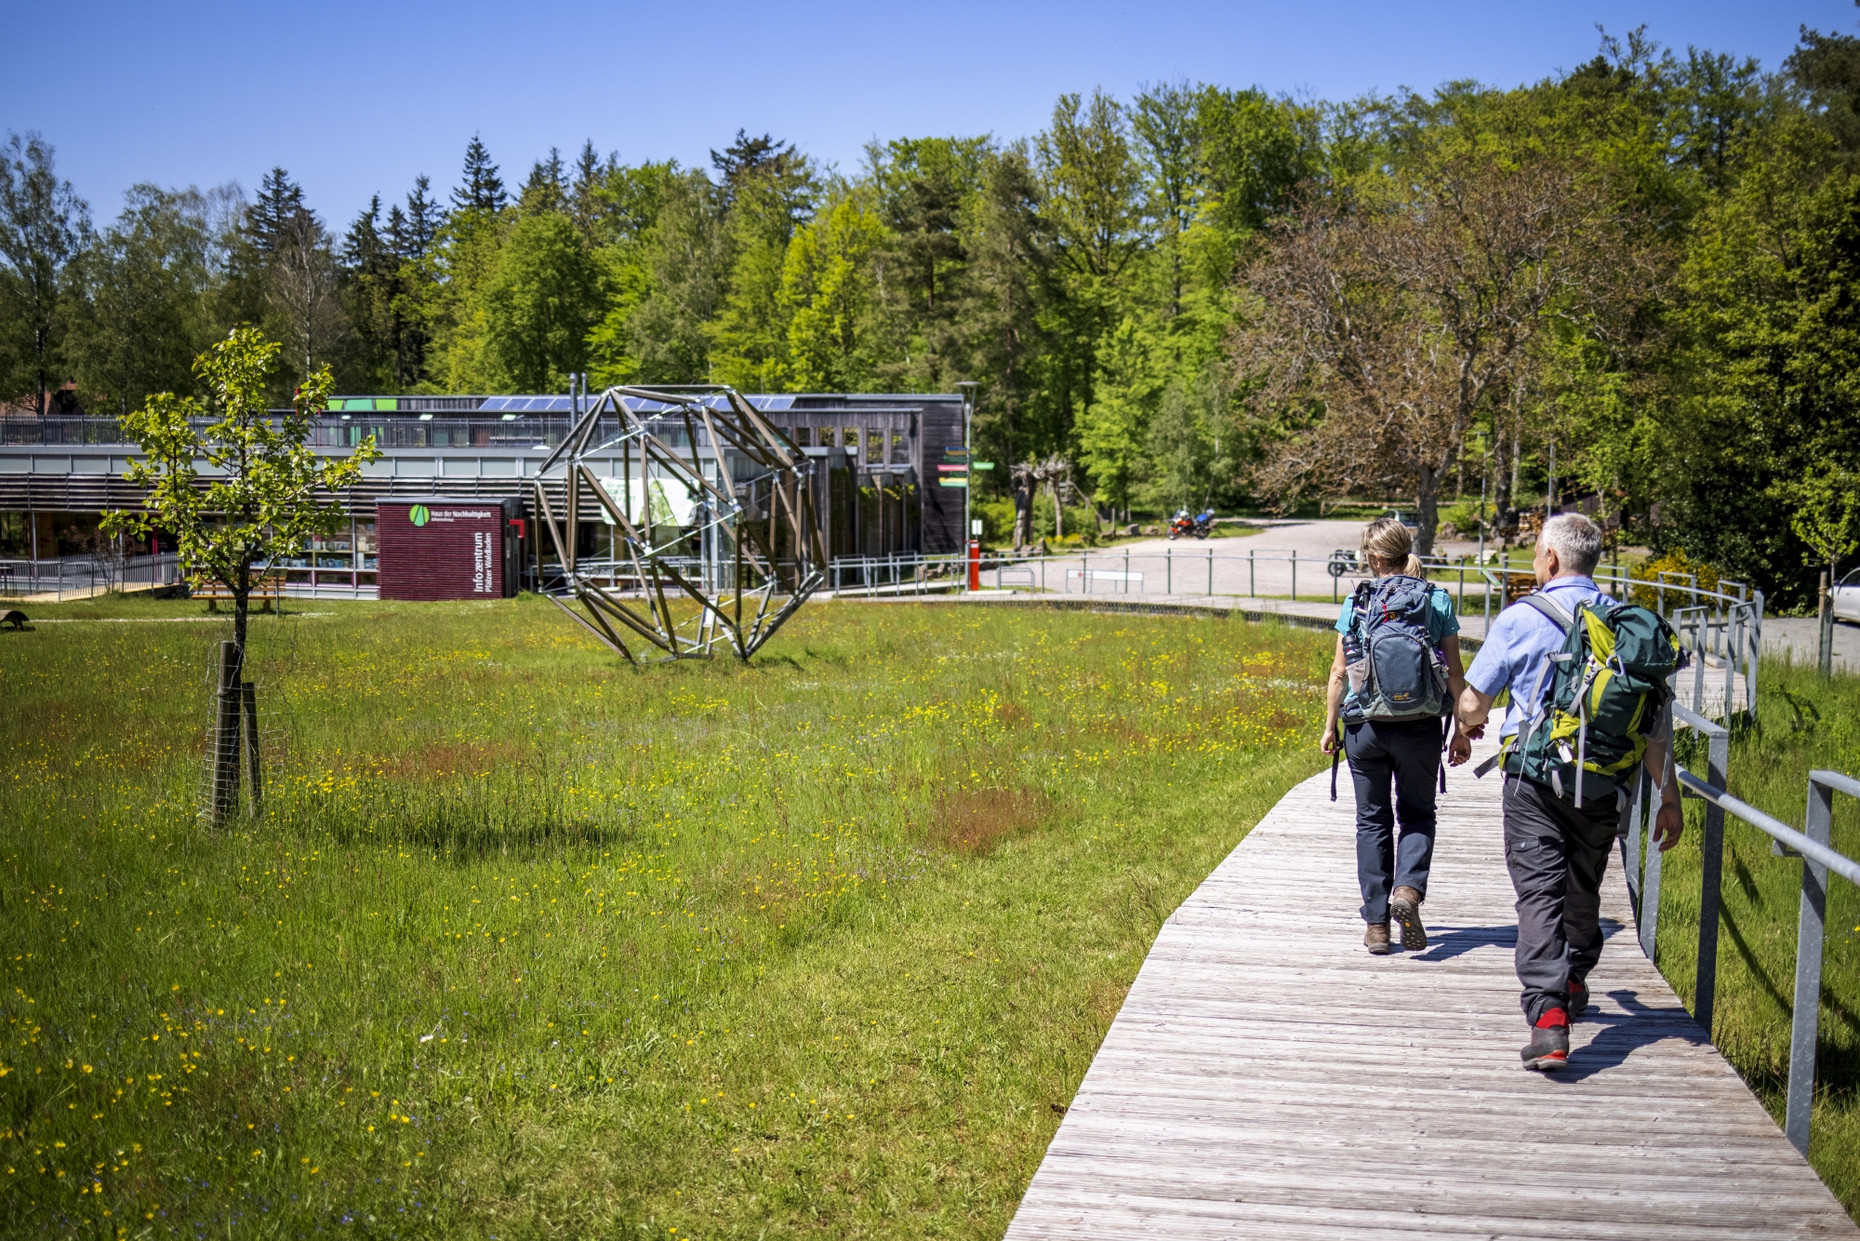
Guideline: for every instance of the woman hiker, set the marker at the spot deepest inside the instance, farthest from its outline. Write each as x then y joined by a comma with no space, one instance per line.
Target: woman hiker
1395,676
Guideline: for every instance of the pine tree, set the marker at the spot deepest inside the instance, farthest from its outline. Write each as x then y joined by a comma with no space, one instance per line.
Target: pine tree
424,219
585,195
399,240
543,191
746,157
269,217
482,189
363,249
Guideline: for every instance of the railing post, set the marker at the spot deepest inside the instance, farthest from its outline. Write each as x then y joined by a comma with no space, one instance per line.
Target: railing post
1650,889
1249,573
1210,573
1168,570
1733,644
1809,932
1630,833
1756,650
1711,880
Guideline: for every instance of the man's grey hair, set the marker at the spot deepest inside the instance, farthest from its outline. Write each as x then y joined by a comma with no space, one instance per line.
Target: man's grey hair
1576,540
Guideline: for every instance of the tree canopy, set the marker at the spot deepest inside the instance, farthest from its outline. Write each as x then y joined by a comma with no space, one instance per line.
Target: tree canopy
1205,294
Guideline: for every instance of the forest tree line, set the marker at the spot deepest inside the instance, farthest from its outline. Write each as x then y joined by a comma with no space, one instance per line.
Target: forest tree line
1648,266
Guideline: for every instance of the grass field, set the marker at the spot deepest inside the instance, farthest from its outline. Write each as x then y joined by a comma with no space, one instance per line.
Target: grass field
1803,722
529,944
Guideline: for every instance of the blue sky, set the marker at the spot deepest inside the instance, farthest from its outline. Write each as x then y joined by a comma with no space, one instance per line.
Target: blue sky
357,98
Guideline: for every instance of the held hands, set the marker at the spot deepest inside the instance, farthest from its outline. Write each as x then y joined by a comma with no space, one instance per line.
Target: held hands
1668,824
1459,749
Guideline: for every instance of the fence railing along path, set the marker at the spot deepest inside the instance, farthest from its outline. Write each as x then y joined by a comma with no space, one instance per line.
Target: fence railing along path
1267,1078
84,577
1722,623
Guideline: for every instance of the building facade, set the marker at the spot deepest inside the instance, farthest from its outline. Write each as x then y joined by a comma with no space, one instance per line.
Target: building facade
875,463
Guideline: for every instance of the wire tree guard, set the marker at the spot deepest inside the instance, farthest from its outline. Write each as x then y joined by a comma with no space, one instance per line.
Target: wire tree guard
712,503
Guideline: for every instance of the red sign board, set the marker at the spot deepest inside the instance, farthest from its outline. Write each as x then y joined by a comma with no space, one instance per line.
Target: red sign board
443,549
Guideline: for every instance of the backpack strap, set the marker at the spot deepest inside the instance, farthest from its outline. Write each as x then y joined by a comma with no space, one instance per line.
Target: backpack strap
1550,608
1359,608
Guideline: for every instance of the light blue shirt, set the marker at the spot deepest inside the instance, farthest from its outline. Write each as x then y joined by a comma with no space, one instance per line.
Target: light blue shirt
1519,646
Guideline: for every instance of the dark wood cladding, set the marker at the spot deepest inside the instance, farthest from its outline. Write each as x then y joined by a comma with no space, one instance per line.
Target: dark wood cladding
439,547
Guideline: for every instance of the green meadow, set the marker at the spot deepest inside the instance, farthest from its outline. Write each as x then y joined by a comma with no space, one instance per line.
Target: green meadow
1803,722
528,943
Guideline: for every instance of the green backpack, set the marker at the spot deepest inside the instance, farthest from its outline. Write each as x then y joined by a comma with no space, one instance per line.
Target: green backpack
1602,702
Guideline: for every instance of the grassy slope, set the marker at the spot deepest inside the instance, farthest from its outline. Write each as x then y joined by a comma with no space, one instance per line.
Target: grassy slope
1804,723
534,945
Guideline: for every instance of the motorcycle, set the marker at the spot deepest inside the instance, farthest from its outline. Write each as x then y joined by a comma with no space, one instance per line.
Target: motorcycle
1201,525
1343,561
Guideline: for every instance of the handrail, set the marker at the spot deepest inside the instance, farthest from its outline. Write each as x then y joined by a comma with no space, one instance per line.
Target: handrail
1773,827
1724,623
1818,859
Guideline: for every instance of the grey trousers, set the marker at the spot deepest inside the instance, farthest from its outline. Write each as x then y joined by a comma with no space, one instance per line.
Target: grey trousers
1404,756
1556,855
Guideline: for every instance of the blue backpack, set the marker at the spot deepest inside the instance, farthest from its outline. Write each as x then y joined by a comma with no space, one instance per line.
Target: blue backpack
1394,669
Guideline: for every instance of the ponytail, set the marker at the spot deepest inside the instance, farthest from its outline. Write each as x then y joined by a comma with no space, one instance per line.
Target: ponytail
1387,542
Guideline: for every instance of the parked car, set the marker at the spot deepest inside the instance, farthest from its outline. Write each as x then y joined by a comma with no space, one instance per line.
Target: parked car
1406,517
1846,594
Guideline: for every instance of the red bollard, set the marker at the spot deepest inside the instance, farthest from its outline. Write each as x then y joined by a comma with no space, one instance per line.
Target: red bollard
975,564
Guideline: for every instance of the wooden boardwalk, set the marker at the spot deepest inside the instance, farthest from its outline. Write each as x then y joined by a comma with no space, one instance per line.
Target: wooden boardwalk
1267,1078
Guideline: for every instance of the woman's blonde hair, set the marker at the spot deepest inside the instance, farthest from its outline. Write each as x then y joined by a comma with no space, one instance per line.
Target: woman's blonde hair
1386,542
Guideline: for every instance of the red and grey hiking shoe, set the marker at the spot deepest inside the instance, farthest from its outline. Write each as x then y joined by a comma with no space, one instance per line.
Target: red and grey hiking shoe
1405,908
1578,1000
1548,1049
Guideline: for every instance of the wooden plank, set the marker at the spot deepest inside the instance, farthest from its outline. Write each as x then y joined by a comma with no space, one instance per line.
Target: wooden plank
1267,1078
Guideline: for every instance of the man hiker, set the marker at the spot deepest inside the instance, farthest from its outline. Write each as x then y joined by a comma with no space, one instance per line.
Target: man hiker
1560,821
1395,676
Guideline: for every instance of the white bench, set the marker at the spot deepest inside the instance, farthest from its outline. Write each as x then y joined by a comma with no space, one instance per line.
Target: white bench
1085,577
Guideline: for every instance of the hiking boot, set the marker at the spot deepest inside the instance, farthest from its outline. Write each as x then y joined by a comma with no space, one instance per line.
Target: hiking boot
1548,1049
1376,938
1578,1000
1405,908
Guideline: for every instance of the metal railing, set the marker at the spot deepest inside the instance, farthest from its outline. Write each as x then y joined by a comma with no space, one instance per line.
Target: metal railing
81,577
1641,862
1722,624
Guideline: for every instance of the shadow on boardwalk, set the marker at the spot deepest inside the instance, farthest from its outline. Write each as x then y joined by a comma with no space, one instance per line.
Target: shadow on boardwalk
1267,1078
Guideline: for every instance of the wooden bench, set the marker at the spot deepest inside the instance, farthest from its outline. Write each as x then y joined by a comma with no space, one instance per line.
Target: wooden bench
266,592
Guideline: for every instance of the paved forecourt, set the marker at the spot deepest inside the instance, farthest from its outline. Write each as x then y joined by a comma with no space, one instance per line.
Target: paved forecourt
1268,1078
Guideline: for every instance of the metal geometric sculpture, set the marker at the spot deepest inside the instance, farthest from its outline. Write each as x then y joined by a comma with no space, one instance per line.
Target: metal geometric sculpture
712,504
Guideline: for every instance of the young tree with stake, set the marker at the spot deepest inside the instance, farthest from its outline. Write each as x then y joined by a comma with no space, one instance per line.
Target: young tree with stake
234,489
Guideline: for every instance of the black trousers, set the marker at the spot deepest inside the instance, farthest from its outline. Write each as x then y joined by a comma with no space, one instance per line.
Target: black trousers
1557,855
1407,755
